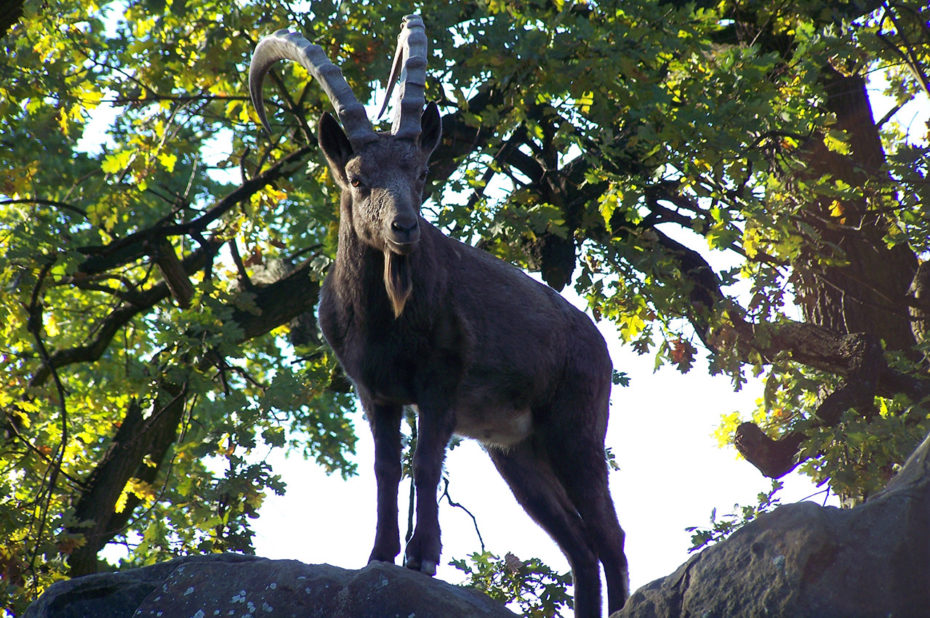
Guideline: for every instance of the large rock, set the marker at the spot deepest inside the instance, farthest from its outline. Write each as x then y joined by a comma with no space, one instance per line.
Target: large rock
237,585
807,560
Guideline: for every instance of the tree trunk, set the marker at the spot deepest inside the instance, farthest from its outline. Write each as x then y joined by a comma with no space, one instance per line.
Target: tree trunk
867,292
137,437
10,12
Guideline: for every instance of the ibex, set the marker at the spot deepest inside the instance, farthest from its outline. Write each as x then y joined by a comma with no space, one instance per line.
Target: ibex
477,346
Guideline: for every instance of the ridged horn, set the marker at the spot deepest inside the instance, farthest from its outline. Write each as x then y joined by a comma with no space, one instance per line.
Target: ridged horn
287,45
410,64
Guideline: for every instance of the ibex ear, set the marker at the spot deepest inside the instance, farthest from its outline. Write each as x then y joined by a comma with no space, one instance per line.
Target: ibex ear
335,146
430,129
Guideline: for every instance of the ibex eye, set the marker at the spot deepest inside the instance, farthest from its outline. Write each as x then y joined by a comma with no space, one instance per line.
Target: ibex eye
356,182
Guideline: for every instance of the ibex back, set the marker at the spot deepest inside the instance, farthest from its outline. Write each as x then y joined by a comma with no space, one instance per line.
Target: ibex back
478,347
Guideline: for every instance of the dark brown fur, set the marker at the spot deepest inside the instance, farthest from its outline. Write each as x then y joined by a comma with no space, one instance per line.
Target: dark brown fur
481,349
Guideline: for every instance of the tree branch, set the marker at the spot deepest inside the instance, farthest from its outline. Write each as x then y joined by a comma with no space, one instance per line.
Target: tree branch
141,243
460,138
858,358
279,302
55,203
34,325
10,12
111,325
453,503
908,55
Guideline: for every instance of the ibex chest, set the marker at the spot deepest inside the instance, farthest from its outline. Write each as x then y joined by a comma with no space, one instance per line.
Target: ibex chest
388,363
388,372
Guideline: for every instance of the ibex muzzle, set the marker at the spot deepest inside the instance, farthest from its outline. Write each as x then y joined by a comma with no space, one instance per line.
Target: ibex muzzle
404,234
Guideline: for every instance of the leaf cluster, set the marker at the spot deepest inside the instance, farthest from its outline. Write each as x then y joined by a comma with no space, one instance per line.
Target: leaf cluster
528,585
722,526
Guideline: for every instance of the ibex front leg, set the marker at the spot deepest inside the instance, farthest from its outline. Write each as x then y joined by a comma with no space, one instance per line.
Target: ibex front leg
435,430
385,428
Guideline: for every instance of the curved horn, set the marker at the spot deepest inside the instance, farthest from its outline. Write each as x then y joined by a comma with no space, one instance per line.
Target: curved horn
287,45
411,55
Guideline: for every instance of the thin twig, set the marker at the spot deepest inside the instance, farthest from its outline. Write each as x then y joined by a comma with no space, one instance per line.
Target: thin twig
39,453
908,55
44,202
34,325
411,506
240,266
474,521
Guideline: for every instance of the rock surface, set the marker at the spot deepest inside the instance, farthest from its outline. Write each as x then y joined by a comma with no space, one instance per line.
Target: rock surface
237,585
807,560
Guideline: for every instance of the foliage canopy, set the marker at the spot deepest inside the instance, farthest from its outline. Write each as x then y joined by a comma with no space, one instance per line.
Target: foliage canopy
706,174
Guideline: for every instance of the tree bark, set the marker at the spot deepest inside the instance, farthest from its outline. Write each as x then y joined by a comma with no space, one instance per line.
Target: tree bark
10,12
137,437
867,293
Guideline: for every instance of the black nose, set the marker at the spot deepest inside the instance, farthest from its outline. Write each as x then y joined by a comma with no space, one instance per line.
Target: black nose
404,227
404,230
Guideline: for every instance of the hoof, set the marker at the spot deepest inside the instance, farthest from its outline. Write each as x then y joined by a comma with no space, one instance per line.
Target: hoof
427,567
384,560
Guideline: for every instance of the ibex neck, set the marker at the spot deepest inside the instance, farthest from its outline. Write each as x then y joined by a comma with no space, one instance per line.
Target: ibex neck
360,278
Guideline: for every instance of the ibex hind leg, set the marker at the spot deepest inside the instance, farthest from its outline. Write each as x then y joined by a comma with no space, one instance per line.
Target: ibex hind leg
600,520
579,462
539,492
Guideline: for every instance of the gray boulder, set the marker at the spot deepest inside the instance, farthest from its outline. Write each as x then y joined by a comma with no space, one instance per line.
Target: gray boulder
237,585
807,560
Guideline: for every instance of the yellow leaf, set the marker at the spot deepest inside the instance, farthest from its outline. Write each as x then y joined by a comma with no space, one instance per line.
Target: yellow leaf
115,162
835,141
142,26
167,160
727,429
63,122
121,502
751,242
51,326
91,98
608,205
276,194
631,326
585,101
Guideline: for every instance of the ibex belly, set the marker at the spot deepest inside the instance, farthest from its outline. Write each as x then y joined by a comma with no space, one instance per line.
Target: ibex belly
500,428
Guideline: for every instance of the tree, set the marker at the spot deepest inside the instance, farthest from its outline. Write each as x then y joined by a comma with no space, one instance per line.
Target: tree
696,170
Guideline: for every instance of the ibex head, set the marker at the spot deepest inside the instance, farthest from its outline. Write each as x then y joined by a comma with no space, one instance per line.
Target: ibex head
381,174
